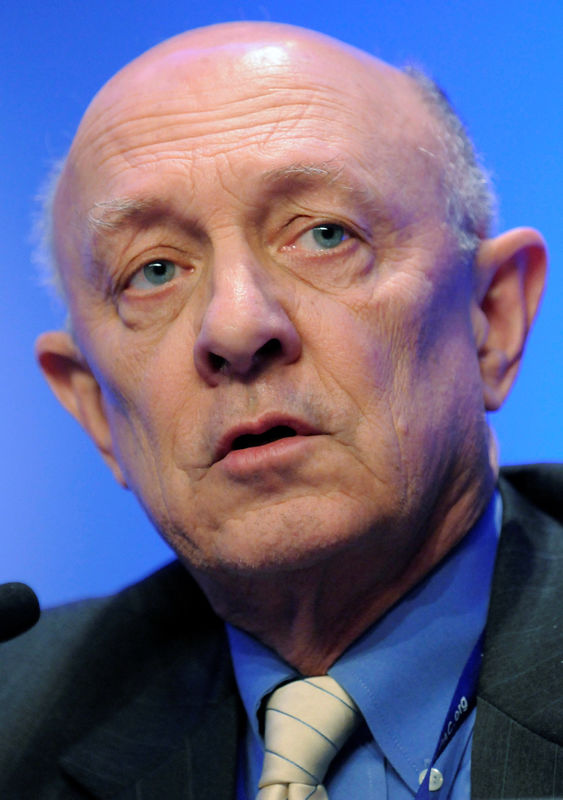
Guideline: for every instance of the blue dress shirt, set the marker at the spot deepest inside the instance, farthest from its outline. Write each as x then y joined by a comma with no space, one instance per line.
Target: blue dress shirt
402,674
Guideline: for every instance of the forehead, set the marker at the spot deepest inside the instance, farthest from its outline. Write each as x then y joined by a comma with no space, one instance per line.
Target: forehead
218,116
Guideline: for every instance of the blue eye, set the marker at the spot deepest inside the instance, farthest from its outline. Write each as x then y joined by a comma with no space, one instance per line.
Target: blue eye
155,273
329,236
159,272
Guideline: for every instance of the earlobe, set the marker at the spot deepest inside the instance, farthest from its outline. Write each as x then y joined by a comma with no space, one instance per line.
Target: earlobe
76,388
510,275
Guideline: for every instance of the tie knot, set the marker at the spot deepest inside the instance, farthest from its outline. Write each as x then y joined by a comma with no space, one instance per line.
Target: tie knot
307,722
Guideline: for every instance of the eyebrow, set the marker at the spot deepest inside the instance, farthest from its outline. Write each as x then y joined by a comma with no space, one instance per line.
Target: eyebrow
303,176
106,216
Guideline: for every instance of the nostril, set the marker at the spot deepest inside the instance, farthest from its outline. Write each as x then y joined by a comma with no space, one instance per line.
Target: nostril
271,349
216,362
241,362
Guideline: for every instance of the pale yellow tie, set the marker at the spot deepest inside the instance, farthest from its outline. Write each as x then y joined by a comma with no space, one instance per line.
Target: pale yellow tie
307,722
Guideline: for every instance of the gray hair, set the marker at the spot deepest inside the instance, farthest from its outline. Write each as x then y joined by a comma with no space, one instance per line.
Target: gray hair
43,254
470,200
471,203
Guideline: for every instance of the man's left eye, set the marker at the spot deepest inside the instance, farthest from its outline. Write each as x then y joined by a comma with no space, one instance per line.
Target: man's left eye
324,237
155,273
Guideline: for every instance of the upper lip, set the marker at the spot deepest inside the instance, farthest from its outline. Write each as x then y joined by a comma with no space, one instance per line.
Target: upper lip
261,425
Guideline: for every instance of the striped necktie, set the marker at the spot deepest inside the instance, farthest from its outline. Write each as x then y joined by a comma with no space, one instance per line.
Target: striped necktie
307,722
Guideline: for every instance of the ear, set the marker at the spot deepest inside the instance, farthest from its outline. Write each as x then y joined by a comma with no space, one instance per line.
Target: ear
510,276
76,388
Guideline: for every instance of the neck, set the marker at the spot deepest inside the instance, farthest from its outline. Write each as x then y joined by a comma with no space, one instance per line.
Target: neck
311,616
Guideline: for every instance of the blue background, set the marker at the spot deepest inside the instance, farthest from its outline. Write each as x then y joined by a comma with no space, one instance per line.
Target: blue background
67,529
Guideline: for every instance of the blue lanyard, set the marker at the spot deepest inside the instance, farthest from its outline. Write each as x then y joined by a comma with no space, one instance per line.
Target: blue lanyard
461,706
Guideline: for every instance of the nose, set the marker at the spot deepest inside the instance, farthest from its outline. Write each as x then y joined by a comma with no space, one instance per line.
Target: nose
245,328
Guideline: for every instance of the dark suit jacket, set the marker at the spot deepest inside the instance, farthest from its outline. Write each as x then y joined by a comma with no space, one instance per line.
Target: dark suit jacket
133,697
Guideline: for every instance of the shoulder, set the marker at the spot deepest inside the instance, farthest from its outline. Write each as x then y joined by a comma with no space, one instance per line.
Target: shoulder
518,731
532,523
529,569
525,623
538,486
164,607
84,659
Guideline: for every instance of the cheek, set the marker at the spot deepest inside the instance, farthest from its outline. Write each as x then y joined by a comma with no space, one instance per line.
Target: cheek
354,360
361,350
148,386
405,359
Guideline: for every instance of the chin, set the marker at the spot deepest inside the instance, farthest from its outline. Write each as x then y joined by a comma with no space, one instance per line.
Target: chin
280,538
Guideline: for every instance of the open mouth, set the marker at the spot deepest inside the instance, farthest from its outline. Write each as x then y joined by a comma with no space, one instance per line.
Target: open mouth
247,440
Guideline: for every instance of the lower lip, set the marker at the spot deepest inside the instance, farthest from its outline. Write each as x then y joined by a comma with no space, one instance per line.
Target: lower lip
251,460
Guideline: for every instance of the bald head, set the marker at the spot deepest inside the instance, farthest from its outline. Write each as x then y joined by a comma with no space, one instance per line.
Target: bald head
220,80
225,55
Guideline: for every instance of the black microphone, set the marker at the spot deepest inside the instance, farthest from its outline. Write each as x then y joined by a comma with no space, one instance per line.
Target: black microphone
19,609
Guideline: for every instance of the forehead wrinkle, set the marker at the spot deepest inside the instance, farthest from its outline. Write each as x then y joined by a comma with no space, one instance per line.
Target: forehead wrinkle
186,118
138,120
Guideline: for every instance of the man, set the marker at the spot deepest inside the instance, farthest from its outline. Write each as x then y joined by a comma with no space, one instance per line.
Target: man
287,322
